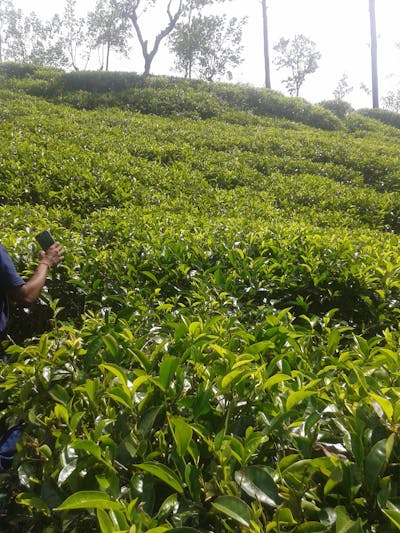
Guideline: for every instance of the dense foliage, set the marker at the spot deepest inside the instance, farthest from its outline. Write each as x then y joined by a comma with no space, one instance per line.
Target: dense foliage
160,95
219,351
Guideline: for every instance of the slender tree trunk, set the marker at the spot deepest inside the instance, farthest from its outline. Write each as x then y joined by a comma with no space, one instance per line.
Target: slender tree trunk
266,45
108,55
189,25
374,55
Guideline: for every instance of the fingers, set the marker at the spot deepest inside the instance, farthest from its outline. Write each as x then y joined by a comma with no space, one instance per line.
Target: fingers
55,253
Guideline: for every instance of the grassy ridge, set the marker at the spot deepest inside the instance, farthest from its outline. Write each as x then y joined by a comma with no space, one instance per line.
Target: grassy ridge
220,349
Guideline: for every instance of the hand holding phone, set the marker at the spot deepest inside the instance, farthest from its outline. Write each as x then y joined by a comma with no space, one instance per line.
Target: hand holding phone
45,239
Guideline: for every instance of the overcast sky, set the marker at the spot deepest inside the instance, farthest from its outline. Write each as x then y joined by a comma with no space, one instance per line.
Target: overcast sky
340,29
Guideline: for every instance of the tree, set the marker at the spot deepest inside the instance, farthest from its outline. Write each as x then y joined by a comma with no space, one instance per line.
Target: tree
342,89
13,33
108,29
173,10
209,44
300,57
184,43
133,10
44,44
266,45
392,101
28,39
221,47
6,7
364,87
374,55
75,36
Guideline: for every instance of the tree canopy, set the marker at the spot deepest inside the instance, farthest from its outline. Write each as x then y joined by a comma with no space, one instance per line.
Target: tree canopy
300,57
208,45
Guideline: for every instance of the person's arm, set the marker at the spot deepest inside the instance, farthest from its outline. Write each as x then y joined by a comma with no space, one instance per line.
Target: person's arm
28,293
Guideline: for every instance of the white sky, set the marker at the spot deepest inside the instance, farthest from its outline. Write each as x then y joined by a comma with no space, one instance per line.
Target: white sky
340,29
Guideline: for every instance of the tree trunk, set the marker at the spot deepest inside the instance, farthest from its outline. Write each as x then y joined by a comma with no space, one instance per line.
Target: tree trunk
173,19
374,55
108,55
148,59
266,45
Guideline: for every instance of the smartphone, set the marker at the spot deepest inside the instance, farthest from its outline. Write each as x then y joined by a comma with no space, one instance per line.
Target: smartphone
45,239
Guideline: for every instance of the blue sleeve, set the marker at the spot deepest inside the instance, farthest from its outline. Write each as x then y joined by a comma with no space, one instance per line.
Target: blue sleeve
9,277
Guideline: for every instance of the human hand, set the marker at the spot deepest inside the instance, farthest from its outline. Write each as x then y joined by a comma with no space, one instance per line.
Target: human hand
53,255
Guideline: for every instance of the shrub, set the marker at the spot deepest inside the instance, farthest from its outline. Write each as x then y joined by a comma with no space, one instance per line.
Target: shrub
391,118
272,103
174,95
337,107
17,70
99,82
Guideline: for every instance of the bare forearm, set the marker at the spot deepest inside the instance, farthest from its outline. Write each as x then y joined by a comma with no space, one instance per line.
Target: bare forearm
30,291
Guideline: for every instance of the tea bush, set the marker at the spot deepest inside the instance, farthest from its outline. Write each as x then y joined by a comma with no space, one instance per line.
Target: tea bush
339,107
219,350
155,94
386,116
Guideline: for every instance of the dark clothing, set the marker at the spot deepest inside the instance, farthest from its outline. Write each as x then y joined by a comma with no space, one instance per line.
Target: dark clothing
9,279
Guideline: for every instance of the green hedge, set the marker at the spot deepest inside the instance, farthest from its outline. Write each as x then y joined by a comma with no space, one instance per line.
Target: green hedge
337,107
164,95
391,118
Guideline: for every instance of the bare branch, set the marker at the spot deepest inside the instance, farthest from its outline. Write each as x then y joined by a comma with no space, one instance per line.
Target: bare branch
172,20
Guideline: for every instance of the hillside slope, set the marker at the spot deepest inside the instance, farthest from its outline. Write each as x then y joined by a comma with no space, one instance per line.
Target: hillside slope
220,349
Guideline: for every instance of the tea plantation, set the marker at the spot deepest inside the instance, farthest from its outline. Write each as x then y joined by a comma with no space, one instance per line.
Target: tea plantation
220,350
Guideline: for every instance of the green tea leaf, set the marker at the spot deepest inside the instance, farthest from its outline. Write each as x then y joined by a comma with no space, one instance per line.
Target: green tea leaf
116,370
61,412
88,446
193,478
184,530
66,471
150,275
168,506
148,418
167,370
59,394
182,432
234,508
333,342
121,396
90,499
297,397
163,473
258,484
276,378
106,526
394,517
311,527
344,524
377,459
284,516
385,404
111,344
231,376
32,501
